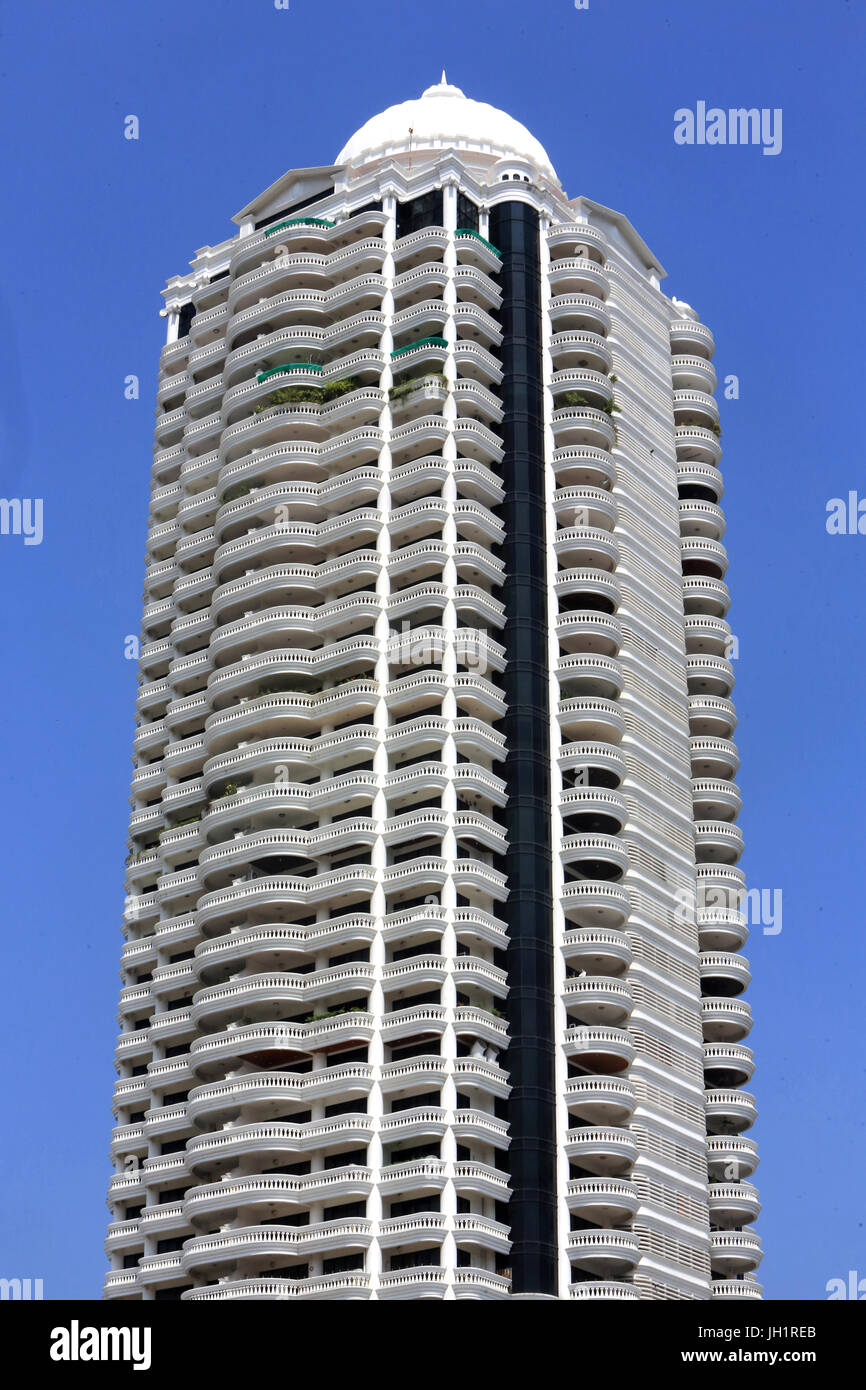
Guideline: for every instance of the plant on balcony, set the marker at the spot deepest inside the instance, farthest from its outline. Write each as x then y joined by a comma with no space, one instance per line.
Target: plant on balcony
332,390
318,395
290,395
332,1013
233,493
415,383
229,789
578,398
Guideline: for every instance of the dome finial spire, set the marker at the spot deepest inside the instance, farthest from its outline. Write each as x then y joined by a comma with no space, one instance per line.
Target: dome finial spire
443,80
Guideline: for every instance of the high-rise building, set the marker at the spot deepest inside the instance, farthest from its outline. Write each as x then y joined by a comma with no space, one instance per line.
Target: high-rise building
432,974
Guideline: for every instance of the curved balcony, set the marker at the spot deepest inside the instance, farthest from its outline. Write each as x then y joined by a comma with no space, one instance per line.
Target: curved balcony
687,336
579,465
734,1252
711,715
695,407
721,928
581,719
585,589
408,1127
582,425
715,800
418,1025
602,1150
265,996
605,1201
423,1177
604,1252
703,558
725,1020
278,945
709,675
718,842
474,250
585,506
730,1157
599,856
578,311
603,1291
581,349
704,594
576,239
421,1282
160,1271
593,810
262,1290
260,1248
278,1044
590,903
707,635
476,325
694,443
475,287
603,760
578,275
588,674
699,518
689,372
723,973
713,758
604,1051
283,1142
699,481
480,1283
733,1204
730,1111
730,1290
266,1095
585,547
422,1229
597,950
261,1196
585,631
596,1000
727,1064
600,1100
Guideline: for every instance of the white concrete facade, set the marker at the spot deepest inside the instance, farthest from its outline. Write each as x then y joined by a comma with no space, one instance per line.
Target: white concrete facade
313,1068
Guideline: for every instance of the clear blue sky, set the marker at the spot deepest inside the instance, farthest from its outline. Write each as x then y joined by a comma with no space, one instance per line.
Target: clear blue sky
769,251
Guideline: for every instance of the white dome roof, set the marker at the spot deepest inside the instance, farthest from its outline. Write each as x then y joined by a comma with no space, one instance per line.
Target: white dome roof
442,118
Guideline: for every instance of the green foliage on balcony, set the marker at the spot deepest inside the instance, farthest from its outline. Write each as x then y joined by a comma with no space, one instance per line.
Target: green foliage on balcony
317,395
233,493
416,382
229,789
433,341
333,1013
300,222
467,231
566,398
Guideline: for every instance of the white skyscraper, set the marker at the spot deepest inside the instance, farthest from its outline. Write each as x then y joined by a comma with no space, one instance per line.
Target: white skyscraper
431,983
